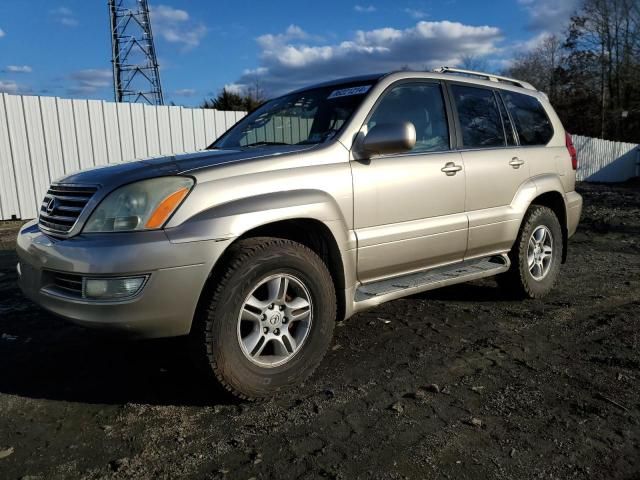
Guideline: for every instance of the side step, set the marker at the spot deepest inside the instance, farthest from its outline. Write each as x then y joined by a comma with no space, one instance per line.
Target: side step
384,290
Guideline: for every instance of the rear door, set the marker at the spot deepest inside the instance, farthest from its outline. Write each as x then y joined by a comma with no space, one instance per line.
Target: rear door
408,211
495,169
534,130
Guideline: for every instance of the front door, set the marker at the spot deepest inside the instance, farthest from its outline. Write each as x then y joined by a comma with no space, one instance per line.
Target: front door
408,212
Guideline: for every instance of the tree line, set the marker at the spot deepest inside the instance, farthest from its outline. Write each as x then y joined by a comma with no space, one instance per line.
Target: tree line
591,72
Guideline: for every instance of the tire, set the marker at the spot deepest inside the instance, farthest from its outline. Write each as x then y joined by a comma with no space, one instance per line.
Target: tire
521,281
225,325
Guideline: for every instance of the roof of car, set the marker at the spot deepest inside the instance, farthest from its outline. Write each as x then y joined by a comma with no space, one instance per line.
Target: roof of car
510,84
344,80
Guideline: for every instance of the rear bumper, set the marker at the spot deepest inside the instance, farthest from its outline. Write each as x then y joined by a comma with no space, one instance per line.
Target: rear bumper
574,210
164,307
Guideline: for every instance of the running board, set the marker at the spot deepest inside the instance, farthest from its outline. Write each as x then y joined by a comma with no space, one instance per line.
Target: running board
375,293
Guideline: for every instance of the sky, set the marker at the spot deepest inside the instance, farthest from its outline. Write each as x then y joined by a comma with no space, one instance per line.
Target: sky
63,48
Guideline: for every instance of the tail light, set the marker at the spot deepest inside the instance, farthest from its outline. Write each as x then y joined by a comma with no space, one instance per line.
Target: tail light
572,151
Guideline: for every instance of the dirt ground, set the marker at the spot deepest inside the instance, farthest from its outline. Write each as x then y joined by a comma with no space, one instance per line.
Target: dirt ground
454,383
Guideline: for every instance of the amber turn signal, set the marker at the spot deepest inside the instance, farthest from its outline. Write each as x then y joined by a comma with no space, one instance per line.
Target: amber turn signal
166,208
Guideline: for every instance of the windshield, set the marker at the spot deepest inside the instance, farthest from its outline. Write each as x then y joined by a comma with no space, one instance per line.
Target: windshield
303,118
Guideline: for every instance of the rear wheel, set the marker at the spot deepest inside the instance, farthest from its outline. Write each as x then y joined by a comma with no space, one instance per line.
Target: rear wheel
269,320
536,255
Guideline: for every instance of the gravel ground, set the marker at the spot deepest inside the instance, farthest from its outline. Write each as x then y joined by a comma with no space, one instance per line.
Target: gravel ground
454,383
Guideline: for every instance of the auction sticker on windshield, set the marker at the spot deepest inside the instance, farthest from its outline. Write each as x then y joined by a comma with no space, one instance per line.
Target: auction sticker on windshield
346,92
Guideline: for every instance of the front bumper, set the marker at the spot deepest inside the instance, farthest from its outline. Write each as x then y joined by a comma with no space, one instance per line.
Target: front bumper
164,307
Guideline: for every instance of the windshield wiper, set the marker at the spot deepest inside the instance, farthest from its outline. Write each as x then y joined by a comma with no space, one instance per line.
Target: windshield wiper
261,144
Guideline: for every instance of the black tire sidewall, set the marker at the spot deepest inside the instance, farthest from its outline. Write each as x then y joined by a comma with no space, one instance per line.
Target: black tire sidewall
231,363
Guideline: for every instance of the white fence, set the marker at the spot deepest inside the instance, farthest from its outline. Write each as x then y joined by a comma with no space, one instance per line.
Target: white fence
43,138
605,161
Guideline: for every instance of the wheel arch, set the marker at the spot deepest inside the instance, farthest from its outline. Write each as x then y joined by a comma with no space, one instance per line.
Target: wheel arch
310,232
310,217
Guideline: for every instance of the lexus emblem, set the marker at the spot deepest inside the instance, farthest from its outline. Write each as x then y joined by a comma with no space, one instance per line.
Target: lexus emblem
51,206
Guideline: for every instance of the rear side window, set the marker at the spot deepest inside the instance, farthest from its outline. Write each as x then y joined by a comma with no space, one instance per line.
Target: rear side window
532,123
479,117
421,104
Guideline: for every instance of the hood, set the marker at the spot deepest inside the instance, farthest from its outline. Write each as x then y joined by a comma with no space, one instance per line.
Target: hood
128,172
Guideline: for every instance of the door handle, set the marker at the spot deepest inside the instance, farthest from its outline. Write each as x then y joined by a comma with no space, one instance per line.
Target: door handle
516,162
451,169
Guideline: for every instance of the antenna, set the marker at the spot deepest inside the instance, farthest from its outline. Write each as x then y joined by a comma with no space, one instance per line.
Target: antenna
136,77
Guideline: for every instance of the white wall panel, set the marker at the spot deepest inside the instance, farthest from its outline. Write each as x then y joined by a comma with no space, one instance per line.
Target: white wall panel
52,140
198,128
164,130
151,127
68,137
36,146
210,125
19,144
220,123
112,132
98,134
126,130
605,161
188,135
45,138
83,133
139,131
9,204
175,121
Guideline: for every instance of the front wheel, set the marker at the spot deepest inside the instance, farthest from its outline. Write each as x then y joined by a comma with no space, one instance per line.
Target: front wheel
536,255
269,320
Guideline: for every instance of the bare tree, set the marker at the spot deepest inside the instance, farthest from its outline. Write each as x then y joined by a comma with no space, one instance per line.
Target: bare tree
540,66
473,62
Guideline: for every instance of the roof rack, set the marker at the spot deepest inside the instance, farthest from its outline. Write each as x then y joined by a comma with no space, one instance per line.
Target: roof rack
488,76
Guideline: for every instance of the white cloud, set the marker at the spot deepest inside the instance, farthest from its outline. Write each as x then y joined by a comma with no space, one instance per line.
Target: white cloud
549,15
90,81
289,60
235,88
8,86
175,26
415,13
185,92
2,34
64,16
364,8
18,69
164,12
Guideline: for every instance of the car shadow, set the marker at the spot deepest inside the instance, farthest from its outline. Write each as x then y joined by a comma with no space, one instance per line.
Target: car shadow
479,291
42,356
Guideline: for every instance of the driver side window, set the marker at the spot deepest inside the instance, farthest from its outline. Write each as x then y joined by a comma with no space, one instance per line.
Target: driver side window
422,105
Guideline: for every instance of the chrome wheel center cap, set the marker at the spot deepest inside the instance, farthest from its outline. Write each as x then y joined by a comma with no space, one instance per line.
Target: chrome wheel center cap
275,319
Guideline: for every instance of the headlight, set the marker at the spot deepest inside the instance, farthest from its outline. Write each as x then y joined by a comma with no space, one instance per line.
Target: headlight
144,205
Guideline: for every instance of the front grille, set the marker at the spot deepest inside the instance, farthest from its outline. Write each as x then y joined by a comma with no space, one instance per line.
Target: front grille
62,206
67,282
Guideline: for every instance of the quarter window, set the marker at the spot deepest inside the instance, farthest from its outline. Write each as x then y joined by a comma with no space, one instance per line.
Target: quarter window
422,105
479,117
532,123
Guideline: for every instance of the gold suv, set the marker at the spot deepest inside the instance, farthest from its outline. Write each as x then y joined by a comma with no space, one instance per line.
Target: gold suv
319,204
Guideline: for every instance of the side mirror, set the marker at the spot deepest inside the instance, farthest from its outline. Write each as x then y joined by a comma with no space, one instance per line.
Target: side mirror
388,138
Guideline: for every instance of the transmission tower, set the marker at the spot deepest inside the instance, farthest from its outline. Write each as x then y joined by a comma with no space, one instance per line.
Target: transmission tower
135,67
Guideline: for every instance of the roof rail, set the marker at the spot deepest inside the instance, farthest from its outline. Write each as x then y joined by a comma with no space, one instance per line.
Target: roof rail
489,76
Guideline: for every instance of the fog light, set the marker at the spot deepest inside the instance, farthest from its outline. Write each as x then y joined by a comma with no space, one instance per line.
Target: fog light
19,269
112,288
